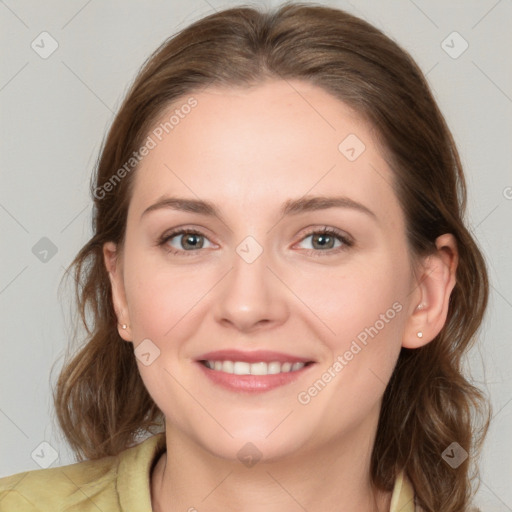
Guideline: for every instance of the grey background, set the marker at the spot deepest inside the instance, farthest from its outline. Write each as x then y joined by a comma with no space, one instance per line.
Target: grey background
55,112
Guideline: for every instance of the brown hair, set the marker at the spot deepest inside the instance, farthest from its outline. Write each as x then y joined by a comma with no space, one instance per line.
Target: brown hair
101,401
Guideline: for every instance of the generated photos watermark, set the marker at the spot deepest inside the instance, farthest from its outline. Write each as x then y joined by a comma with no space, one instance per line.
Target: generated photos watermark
305,397
151,142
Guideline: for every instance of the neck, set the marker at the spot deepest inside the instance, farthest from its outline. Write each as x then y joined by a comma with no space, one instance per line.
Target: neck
335,478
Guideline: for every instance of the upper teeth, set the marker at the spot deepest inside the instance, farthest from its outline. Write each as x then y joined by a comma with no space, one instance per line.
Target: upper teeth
262,368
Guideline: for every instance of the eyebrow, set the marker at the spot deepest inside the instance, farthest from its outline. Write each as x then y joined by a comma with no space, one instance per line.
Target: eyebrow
290,207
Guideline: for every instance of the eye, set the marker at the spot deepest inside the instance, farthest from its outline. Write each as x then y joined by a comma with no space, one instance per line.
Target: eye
183,241
325,239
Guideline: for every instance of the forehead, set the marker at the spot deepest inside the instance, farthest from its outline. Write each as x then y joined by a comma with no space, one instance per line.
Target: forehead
248,147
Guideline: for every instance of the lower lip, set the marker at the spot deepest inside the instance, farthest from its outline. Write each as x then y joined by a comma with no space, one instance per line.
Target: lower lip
252,383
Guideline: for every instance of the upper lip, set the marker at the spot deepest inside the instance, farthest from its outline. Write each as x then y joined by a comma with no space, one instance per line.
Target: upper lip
254,356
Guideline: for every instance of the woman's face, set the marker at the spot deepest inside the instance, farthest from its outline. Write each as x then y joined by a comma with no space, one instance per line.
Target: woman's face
259,275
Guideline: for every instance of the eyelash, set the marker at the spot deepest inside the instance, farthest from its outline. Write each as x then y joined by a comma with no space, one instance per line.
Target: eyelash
347,243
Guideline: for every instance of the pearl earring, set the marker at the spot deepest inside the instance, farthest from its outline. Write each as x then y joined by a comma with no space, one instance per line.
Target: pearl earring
124,326
419,334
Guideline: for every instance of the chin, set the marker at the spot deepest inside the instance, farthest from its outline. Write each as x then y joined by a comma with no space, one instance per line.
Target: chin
251,444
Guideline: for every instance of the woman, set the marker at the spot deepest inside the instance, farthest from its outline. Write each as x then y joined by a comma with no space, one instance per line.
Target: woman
280,285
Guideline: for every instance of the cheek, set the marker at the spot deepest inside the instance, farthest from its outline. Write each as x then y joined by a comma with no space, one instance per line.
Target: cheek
364,309
346,300
366,314
370,323
161,297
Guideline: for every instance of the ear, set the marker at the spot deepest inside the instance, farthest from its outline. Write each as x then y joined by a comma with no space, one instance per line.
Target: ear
429,307
113,264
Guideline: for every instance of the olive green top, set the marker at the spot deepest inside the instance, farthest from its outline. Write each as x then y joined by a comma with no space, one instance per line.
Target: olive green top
118,483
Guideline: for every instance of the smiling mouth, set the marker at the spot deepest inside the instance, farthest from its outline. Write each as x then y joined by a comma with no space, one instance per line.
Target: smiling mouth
257,368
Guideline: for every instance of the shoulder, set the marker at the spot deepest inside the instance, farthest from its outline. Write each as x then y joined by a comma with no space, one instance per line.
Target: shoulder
92,485
61,487
405,498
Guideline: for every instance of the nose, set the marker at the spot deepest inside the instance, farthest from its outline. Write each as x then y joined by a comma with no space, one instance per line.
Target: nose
251,296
